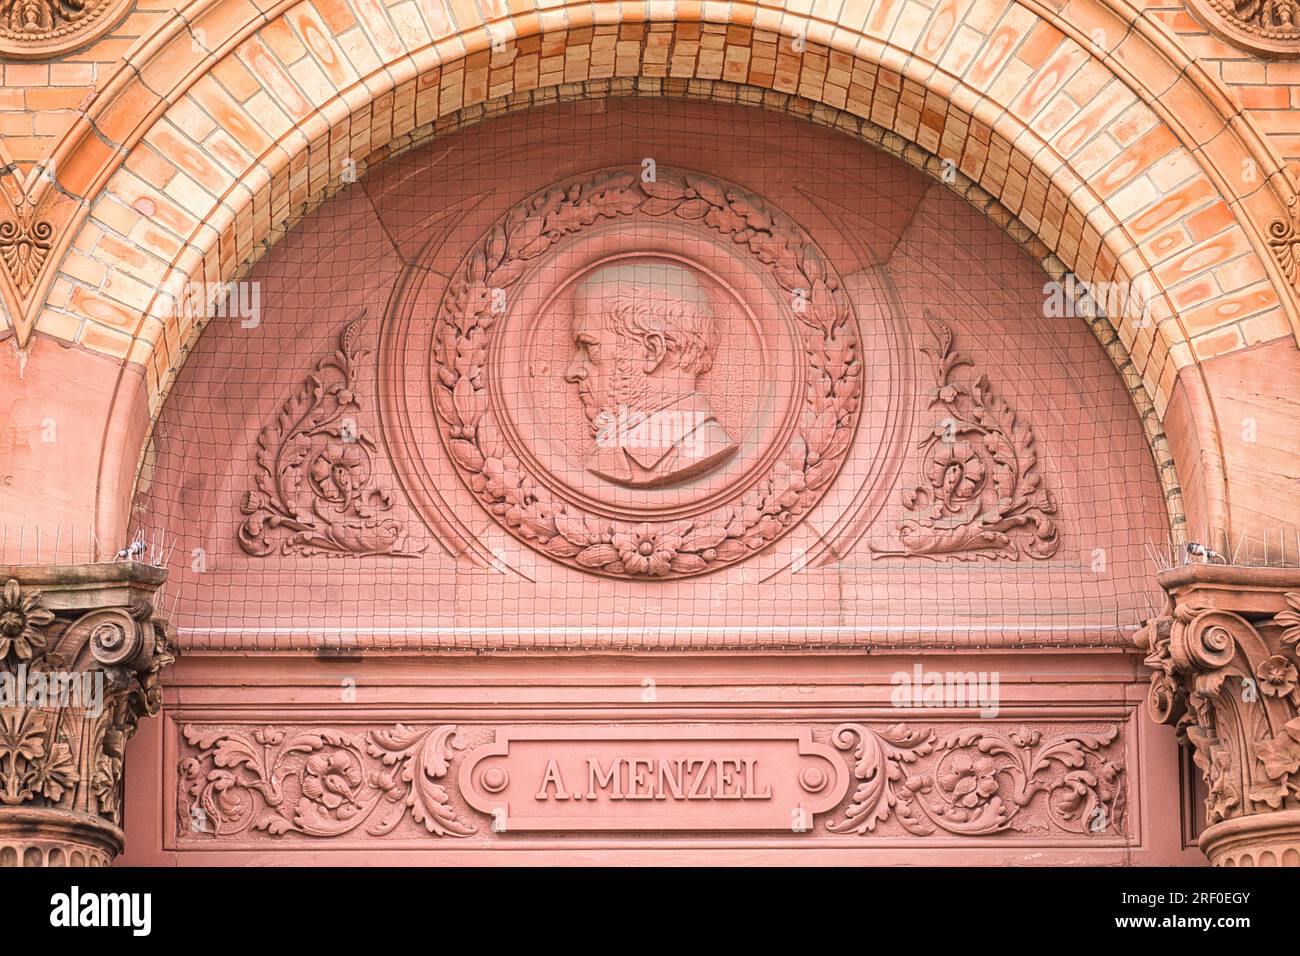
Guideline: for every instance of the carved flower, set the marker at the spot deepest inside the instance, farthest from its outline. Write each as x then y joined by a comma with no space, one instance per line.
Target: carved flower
21,614
1277,676
58,773
1289,620
957,470
330,779
971,780
339,464
643,550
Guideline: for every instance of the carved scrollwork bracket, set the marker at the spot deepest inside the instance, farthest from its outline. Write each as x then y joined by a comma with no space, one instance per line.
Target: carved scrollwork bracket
81,652
1224,673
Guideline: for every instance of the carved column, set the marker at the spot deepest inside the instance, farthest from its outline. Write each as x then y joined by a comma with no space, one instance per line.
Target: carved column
80,655
1224,656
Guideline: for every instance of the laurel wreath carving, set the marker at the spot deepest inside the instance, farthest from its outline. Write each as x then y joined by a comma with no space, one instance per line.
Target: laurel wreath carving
648,550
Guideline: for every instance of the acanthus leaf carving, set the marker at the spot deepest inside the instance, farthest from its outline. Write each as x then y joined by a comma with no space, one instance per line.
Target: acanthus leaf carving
1266,27
25,244
984,496
74,685
979,781
315,486
45,28
324,783
1284,240
1226,676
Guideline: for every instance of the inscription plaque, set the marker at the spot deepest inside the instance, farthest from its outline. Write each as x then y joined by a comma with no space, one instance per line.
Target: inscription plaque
667,779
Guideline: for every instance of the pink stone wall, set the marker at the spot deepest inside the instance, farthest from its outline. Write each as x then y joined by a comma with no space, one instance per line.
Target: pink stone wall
500,645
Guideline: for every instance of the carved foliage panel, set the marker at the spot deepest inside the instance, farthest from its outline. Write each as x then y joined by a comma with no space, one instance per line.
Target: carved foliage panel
833,784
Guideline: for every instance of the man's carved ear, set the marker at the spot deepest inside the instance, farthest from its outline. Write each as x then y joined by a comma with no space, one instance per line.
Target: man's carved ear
655,350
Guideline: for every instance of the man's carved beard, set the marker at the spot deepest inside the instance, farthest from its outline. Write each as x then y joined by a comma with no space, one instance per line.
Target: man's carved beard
627,394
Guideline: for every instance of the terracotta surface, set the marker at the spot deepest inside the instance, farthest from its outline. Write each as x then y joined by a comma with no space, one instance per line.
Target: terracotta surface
684,727
533,471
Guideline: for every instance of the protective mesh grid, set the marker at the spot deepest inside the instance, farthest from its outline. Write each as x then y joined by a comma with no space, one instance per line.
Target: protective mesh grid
651,374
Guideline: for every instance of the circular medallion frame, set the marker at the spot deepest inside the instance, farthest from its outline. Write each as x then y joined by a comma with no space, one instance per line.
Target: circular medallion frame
523,500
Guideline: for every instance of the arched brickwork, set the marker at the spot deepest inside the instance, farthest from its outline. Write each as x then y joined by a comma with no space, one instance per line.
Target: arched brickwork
1088,125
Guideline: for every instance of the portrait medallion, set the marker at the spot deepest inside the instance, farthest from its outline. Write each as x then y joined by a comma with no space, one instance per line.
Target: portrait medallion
646,378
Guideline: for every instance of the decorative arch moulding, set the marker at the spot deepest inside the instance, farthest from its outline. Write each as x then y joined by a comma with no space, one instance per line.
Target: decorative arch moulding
166,64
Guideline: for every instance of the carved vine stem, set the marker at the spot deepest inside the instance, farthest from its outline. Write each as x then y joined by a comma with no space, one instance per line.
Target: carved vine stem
315,485
976,782
985,496
324,784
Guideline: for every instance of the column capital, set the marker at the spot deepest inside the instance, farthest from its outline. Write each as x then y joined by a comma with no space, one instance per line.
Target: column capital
80,654
1223,656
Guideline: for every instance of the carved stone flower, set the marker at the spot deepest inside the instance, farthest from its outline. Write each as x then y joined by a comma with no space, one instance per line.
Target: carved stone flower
338,464
330,779
1289,621
21,617
957,470
643,550
1277,676
971,780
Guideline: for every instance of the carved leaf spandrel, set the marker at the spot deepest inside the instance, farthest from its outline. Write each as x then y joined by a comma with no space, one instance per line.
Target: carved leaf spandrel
314,472
985,496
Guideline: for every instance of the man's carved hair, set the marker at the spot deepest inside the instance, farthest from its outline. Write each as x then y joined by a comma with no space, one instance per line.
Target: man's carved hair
657,299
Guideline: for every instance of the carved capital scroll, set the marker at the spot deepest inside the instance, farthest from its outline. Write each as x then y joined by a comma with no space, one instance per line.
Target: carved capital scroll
80,655
1224,673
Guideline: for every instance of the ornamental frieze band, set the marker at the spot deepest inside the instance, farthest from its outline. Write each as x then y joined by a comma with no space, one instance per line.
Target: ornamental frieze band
249,783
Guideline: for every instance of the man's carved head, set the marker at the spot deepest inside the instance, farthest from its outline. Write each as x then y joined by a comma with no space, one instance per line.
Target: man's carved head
644,334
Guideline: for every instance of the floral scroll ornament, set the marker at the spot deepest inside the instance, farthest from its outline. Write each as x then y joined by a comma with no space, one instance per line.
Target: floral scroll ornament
984,496
978,782
319,784
315,485
647,550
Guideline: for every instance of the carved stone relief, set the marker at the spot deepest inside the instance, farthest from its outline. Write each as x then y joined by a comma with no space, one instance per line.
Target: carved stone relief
984,495
75,685
1224,673
641,452
315,487
24,245
246,783
39,29
1284,240
1270,28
